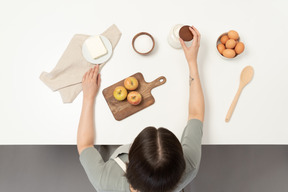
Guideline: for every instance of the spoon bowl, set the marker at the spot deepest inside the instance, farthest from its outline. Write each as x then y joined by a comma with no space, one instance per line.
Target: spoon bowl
246,75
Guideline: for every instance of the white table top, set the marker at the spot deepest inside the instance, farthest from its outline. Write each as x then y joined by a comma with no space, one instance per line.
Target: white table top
34,35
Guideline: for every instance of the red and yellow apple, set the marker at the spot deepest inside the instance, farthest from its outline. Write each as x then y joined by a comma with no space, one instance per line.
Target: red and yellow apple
134,98
131,83
120,93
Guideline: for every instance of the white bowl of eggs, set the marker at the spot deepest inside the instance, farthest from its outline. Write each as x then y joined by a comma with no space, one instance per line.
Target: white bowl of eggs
229,46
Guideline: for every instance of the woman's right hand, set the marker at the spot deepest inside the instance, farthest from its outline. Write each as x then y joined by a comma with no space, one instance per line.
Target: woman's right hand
192,51
91,83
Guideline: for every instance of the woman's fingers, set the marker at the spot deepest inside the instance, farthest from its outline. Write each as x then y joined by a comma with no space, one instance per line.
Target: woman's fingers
199,36
182,43
98,79
96,69
88,73
196,31
195,38
91,72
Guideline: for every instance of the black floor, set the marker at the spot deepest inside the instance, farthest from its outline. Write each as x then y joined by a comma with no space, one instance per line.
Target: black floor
223,169
242,169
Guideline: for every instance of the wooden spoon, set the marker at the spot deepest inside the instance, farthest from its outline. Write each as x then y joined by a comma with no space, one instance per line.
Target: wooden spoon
246,76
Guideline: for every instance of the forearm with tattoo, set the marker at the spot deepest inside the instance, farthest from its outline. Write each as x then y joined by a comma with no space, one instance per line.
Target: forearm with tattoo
190,79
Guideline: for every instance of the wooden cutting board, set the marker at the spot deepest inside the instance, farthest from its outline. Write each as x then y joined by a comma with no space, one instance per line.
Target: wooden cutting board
123,109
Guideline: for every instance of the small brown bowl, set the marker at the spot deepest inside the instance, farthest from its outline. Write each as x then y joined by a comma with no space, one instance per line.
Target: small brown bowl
139,34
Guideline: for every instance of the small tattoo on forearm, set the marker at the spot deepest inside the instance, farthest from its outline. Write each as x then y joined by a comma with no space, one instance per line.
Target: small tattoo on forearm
190,80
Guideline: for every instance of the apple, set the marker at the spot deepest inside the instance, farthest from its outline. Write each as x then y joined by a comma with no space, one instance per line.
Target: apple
131,83
120,93
134,98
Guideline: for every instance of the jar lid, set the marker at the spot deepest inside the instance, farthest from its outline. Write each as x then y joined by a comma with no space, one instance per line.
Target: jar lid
185,33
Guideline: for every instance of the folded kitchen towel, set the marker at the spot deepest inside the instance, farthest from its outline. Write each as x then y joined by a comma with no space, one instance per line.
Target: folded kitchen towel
67,75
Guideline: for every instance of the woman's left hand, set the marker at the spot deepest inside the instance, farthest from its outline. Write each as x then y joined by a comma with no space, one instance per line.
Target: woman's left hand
91,83
191,52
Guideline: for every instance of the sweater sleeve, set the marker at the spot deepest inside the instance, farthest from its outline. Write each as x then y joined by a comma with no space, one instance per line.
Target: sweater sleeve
93,165
191,144
104,176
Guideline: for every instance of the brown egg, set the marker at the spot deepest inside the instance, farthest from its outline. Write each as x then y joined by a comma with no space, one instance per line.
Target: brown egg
230,44
233,35
224,38
239,47
229,53
221,48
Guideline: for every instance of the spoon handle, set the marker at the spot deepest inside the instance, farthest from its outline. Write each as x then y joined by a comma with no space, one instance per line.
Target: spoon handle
233,104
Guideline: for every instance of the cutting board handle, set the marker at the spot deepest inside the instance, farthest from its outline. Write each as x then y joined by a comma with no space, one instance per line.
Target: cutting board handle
157,82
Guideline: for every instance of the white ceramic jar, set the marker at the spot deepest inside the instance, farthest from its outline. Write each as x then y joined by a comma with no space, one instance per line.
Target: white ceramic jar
173,37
